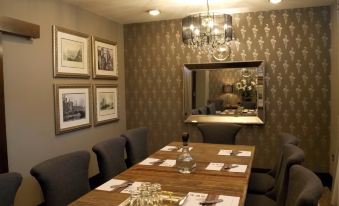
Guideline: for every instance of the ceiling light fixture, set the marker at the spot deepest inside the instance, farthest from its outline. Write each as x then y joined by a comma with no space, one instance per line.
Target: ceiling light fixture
275,1
154,12
208,32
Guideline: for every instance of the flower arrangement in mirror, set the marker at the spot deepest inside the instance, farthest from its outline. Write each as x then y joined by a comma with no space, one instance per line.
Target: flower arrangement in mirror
246,86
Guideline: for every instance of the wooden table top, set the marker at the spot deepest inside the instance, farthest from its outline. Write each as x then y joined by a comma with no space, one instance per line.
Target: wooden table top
201,180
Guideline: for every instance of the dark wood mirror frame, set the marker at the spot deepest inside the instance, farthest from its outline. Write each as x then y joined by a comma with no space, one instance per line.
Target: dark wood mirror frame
20,28
187,93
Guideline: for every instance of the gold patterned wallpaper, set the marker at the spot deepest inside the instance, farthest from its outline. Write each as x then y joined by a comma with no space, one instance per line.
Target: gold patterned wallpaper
295,45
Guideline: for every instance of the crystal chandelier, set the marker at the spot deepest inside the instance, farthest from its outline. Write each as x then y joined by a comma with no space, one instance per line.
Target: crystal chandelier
209,33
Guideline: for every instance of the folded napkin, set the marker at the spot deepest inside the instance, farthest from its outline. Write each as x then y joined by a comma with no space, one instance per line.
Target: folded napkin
132,187
107,186
194,199
238,168
168,163
238,153
169,148
149,161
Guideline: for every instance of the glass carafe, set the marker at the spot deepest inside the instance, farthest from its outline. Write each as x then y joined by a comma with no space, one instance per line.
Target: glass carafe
185,163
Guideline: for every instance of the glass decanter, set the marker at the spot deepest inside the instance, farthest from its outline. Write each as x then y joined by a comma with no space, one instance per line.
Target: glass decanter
185,163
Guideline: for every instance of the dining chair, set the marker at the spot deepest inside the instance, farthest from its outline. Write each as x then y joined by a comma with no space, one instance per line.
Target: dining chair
211,108
291,155
202,110
261,183
110,157
304,187
9,185
136,145
219,133
63,179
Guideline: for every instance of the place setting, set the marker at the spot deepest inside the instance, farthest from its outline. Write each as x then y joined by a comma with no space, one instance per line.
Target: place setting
214,166
158,162
239,153
170,148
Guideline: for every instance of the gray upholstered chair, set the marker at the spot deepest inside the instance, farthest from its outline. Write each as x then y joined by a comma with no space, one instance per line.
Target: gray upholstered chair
195,111
261,183
63,179
9,185
136,145
304,187
211,109
202,110
291,155
110,157
219,133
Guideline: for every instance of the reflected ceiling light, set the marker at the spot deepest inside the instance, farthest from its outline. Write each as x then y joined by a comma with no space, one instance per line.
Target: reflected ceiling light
208,32
274,1
154,12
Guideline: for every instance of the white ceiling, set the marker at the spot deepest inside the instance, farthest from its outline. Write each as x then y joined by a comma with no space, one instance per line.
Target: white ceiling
133,11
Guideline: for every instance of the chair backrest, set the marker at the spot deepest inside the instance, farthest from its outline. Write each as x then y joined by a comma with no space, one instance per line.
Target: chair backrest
202,110
63,179
285,138
110,157
291,155
9,185
211,108
304,187
219,133
195,111
136,145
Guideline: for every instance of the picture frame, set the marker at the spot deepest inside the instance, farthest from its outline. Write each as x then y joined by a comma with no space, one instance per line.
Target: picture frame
73,107
104,58
71,53
106,105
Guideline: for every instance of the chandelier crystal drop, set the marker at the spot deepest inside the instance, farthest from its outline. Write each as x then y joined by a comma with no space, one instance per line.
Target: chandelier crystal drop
208,32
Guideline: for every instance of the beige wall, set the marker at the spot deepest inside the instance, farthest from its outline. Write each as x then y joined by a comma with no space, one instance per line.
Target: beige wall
335,85
29,82
297,79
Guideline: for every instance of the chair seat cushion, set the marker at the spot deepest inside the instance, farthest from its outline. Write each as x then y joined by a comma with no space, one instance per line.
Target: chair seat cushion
259,200
260,183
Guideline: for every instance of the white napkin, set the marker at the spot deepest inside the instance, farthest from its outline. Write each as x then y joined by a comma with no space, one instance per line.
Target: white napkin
169,148
168,163
132,187
107,185
193,199
148,161
240,154
215,166
189,149
239,168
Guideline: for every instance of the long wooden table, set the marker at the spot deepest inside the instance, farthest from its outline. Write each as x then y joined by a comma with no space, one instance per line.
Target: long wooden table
201,180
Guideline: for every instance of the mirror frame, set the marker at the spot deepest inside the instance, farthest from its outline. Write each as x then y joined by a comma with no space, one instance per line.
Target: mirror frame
187,93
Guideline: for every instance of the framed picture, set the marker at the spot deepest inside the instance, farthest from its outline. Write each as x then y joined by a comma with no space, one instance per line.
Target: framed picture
105,104
73,107
71,53
105,65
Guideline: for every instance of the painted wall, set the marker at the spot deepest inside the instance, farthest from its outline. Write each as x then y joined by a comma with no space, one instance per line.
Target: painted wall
29,89
295,46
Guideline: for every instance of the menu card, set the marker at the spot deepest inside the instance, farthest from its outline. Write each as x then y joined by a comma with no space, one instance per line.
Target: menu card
168,163
232,168
109,185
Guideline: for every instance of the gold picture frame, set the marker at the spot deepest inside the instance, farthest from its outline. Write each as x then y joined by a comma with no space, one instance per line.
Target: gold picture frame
71,53
73,107
104,59
106,107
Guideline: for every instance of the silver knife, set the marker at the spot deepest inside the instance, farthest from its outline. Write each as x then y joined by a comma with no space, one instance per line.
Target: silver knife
182,201
210,202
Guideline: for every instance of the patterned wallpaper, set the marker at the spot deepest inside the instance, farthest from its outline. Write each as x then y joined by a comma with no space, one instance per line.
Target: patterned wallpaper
295,45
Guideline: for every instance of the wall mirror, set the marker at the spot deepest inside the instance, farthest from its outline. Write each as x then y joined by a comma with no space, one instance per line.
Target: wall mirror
230,92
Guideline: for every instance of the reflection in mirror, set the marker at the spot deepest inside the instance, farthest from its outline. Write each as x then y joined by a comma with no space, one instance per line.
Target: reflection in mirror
222,91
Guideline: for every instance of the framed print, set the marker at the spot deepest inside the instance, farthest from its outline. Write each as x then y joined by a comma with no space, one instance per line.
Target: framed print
105,65
105,104
71,53
73,107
